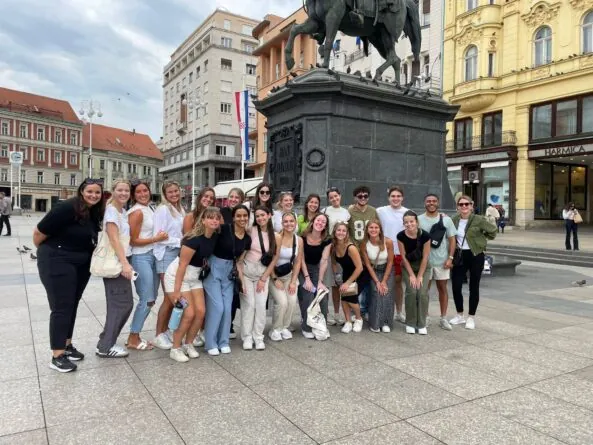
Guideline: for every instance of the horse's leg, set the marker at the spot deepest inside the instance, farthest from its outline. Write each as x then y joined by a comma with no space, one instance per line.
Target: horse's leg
396,67
390,59
333,18
310,26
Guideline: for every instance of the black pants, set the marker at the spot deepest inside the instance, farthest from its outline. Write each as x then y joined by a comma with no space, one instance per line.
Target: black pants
65,276
571,226
475,266
120,302
5,219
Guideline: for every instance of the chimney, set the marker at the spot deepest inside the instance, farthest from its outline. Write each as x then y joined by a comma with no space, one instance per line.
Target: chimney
133,131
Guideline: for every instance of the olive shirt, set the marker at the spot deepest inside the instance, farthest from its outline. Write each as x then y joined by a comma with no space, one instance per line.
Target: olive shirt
478,232
358,222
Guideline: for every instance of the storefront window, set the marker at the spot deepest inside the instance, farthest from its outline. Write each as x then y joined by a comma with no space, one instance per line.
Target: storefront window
496,188
555,186
578,186
560,190
543,190
455,183
566,118
541,122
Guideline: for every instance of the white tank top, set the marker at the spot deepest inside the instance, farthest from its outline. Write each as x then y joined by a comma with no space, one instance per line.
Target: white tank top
286,254
373,251
146,229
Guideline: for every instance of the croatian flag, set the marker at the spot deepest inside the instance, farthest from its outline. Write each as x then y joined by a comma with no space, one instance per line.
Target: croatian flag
242,106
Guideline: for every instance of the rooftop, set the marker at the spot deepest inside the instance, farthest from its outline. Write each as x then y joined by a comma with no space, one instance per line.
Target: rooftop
40,106
122,141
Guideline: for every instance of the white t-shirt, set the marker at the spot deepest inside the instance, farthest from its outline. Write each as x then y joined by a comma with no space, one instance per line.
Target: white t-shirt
120,219
336,214
461,234
392,221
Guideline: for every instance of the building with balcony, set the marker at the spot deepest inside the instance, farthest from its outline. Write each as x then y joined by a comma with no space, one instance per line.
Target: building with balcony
119,153
272,33
521,72
213,63
48,133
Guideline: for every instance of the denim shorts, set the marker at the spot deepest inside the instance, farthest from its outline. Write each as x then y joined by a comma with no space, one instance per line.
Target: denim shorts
170,254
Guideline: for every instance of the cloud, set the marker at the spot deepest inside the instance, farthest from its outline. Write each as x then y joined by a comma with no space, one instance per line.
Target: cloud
107,50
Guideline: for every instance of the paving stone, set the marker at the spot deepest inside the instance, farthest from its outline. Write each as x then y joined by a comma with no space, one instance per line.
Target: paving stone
35,437
20,406
565,344
378,347
395,433
569,388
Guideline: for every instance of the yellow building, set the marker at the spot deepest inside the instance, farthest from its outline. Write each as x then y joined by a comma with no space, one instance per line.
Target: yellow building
522,73
273,33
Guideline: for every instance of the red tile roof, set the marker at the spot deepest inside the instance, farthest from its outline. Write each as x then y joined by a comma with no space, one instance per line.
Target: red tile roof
42,106
123,141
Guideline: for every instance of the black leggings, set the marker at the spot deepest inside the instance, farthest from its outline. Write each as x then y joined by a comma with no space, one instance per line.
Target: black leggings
65,276
475,265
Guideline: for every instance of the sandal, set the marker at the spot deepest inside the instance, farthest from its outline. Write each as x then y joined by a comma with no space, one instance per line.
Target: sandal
142,346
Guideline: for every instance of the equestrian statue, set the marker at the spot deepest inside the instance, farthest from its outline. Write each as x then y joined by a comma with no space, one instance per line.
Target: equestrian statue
379,22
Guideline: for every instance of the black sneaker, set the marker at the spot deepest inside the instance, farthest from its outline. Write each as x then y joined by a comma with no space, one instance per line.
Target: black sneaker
73,354
62,364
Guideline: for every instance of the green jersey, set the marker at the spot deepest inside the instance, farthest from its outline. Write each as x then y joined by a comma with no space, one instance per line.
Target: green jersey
358,222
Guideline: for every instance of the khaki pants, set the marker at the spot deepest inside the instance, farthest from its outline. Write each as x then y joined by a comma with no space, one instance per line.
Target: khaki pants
416,300
284,303
253,303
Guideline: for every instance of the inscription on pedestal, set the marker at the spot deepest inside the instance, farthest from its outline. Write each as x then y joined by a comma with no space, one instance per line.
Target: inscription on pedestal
285,160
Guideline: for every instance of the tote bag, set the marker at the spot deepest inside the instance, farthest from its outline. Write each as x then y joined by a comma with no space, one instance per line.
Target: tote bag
104,262
315,318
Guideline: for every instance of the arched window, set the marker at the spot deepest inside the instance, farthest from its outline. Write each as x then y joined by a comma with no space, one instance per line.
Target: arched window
471,63
543,46
588,33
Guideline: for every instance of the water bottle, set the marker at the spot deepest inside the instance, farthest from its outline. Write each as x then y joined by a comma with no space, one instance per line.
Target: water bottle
176,316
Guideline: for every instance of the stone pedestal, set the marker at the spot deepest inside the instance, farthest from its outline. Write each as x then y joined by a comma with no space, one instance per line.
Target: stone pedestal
341,130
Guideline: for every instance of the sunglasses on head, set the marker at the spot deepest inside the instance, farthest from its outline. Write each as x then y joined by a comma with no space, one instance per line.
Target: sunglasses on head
363,196
464,204
333,189
264,192
94,181
136,182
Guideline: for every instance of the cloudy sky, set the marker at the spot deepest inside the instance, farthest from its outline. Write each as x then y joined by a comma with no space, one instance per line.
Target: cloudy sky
112,51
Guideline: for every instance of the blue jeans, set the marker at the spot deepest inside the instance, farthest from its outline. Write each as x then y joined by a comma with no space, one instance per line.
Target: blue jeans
147,287
219,300
170,254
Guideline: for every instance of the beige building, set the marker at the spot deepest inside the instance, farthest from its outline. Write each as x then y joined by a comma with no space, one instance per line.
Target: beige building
48,133
213,63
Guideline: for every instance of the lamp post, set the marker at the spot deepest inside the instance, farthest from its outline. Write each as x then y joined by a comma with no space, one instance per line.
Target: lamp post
193,105
91,108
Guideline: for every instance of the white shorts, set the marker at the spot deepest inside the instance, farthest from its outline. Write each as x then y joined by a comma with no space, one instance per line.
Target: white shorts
191,280
440,273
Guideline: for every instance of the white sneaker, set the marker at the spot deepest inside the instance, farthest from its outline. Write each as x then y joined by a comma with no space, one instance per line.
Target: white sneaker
331,320
286,334
260,345
178,355
444,324
400,317
375,330
353,318
470,323
275,335
386,329
347,328
169,334
357,325
423,331
247,345
190,351
114,352
213,351
308,335
233,334
410,330
161,341
458,319
199,340
225,349
340,320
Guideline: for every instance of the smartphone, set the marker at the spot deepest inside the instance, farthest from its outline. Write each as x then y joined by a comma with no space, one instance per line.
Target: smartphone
134,276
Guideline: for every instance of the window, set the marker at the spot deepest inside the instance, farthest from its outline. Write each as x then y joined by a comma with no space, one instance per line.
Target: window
134,168
227,25
471,63
56,178
541,122
144,170
472,4
252,91
4,151
247,29
191,77
405,72
555,186
587,114
265,138
277,71
177,87
183,82
490,64
5,129
562,118
40,155
492,130
58,137
23,132
73,138
40,177
58,157
25,153
463,134
102,164
73,179
205,87
543,46
226,86
205,66
426,67
23,176
4,175
250,69
225,107
588,33
41,134
248,47
129,168
221,150
226,64
566,117
426,12
73,159
226,42
149,171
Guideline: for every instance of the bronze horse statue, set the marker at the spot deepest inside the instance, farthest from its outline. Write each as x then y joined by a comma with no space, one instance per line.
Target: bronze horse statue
382,24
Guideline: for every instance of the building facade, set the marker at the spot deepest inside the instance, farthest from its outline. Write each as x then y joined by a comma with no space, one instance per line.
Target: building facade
521,72
272,34
119,153
48,133
205,71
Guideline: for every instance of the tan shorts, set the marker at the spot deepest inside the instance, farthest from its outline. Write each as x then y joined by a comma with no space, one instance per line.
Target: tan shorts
440,273
191,280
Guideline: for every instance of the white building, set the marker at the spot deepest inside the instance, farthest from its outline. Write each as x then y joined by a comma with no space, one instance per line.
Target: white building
212,64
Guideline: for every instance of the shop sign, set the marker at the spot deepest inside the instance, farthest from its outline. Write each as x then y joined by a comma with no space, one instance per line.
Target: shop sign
561,151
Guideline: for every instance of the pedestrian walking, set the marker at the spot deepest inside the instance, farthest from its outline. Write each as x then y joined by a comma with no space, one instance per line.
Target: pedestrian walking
5,212
492,214
311,209
571,215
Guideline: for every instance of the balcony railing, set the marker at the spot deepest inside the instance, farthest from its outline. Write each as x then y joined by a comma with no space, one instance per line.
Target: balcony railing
358,54
483,141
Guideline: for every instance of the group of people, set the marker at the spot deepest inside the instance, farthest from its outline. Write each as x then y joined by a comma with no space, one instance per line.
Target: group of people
212,261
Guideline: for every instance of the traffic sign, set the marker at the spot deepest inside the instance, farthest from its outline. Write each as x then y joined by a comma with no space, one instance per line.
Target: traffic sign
16,158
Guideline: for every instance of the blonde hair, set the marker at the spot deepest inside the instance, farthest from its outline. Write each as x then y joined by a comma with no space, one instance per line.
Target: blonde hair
467,198
367,238
172,208
114,186
293,215
198,228
281,197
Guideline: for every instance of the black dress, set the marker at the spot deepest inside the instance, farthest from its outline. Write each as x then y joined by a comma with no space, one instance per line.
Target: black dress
348,269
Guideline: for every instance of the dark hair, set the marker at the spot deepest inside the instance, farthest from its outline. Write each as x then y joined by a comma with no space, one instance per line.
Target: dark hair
257,202
395,188
434,195
569,205
332,189
306,209
411,213
135,185
309,228
239,207
82,210
198,207
269,227
361,189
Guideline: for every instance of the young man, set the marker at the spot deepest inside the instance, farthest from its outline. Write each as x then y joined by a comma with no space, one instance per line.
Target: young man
441,257
392,220
5,211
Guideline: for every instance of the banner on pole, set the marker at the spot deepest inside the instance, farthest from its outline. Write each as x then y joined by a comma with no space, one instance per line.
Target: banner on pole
242,106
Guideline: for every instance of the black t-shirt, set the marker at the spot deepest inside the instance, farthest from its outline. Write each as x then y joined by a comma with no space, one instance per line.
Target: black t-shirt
203,246
65,232
227,214
313,254
411,244
224,245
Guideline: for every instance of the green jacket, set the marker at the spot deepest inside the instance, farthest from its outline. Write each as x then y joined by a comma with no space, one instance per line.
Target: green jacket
479,232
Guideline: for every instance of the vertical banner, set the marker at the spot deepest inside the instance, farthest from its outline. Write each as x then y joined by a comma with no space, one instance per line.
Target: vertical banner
242,106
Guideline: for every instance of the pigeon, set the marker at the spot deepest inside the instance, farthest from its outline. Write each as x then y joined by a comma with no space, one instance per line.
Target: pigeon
26,248
293,74
20,251
579,283
348,70
33,256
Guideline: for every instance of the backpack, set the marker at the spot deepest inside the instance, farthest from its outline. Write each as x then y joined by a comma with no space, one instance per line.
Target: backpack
437,233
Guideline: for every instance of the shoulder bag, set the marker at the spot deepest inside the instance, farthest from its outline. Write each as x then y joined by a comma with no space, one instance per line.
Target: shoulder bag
353,287
285,269
234,273
266,257
416,254
458,255
104,262
577,218
437,233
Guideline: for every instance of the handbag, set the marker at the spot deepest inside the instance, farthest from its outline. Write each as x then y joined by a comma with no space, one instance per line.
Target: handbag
204,272
266,257
104,262
351,291
577,218
234,273
416,254
286,268
315,318
458,255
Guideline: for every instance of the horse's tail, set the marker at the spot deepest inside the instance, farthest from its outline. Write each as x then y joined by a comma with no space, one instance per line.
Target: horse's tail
365,45
412,27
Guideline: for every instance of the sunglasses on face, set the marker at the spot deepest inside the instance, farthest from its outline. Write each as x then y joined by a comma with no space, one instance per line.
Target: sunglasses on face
363,196
264,192
464,204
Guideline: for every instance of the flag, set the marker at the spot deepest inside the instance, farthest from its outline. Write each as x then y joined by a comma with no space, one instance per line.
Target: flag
358,42
242,105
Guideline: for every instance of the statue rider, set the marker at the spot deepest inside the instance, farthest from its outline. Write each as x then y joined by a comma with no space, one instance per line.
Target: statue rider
357,14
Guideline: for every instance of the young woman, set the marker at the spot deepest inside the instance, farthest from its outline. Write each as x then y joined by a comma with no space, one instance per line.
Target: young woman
285,205
142,239
568,214
118,291
335,213
316,251
377,254
311,210
414,246
65,239
345,253
168,218
182,280
263,196
235,197
285,278
473,233
226,267
204,199
258,265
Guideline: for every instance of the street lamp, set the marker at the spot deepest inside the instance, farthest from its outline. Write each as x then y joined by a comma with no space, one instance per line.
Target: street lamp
193,104
91,108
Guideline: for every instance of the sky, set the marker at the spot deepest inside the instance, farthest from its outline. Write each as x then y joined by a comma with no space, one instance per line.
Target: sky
110,51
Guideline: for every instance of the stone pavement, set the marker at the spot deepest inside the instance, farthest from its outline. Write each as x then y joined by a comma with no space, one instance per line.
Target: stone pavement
548,238
524,376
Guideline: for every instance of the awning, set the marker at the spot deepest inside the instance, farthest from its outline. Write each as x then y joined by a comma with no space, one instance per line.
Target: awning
222,188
